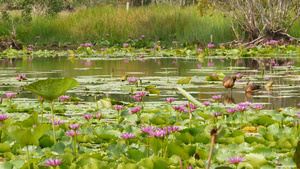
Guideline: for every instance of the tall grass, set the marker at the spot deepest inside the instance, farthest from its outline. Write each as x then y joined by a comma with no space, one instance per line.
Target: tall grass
165,23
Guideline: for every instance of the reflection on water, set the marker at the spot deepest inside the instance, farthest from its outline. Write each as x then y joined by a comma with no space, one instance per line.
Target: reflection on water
103,75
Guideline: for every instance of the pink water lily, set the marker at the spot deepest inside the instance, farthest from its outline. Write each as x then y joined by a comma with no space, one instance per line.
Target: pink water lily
217,97
118,107
170,99
64,97
75,126
206,103
99,116
127,136
135,110
10,95
54,162
235,160
132,79
141,93
3,117
87,117
147,129
58,122
72,133
231,111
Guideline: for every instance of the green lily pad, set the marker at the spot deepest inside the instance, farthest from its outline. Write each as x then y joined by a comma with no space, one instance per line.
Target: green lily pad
51,89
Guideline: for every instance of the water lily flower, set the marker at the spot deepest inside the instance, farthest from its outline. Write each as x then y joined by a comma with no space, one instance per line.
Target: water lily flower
99,116
210,45
258,106
221,44
141,93
172,128
30,46
106,94
215,114
158,133
127,136
235,160
103,49
137,98
88,45
130,36
87,117
132,79
72,133
3,117
245,104
240,108
75,126
291,39
241,41
175,42
21,77
170,99
231,111
189,167
125,44
229,43
272,61
206,103
175,107
214,75
155,46
147,129
118,107
135,110
106,35
143,36
199,65
54,162
288,66
210,64
217,97
37,37
64,97
199,50
239,75
9,43
266,78
10,95
57,122
158,41
187,111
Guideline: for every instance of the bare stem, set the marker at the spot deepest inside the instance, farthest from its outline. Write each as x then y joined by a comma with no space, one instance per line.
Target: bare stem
213,138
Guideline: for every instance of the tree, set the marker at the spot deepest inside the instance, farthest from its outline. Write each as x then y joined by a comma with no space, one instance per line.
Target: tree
261,20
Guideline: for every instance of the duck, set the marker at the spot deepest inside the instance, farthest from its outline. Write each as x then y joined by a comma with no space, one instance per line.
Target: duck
251,88
228,81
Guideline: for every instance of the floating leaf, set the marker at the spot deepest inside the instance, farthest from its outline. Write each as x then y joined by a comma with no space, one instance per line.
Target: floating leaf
51,89
136,155
184,80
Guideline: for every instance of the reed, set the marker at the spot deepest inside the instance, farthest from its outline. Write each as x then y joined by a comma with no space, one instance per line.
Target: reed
164,23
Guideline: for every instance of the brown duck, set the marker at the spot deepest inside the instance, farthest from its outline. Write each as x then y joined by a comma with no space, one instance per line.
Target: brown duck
251,88
228,81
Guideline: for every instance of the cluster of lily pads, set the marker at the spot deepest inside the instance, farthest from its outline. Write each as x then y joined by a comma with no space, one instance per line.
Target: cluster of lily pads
131,49
113,134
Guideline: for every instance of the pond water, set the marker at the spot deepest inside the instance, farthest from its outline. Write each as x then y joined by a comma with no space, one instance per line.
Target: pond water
103,75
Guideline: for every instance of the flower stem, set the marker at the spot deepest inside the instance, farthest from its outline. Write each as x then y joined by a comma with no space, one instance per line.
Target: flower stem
53,126
176,116
0,136
28,159
147,146
189,107
42,112
241,119
127,144
9,102
232,122
75,144
213,137
118,116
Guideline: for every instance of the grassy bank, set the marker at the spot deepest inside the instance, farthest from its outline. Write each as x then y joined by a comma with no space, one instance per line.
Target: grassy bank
155,22
164,23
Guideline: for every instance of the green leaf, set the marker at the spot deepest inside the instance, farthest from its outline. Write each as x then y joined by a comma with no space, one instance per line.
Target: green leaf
136,155
215,127
256,160
184,80
147,163
174,149
4,147
212,78
186,137
30,121
51,89
189,97
154,91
